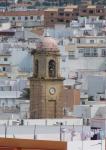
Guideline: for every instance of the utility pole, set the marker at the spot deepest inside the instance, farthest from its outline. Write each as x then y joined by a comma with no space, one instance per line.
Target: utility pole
60,131
35,136
5,130
102,135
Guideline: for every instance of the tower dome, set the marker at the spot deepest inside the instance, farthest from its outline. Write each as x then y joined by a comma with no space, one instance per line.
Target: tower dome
48,44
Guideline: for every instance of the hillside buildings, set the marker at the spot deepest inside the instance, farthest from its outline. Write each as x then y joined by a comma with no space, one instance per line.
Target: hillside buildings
73,49
82,48
79,34
81,43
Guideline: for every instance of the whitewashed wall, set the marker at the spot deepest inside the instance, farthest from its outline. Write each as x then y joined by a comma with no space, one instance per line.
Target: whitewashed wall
86,145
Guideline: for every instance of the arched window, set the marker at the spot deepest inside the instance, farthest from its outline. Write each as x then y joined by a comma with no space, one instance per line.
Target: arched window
36,68
52,68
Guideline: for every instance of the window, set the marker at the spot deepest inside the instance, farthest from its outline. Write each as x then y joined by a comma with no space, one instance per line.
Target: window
1,88
52,68
77,14
3,104
67,14
100,11
78,40
13,101
36,68
63,58
61,14
103,52
84,11
31,17
5,59
71,54
4,68
26,18
60,20
101,41
81,50
92,41
13,18
6,18
52,14
6,102
86,33
101,17
19,17
67,23
94,52
90,52
87,52
60,42
91,11
38,18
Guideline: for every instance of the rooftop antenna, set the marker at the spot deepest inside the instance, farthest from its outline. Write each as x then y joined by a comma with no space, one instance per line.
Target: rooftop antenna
13,136
5,126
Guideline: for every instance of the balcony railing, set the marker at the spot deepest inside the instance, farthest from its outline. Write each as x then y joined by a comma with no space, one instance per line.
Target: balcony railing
12,109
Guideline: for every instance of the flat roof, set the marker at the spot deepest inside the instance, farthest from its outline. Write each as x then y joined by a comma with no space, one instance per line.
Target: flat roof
21,13
91,46
32,144
72,6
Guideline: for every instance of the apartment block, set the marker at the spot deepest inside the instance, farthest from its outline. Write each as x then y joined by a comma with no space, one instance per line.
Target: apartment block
24,18
66,14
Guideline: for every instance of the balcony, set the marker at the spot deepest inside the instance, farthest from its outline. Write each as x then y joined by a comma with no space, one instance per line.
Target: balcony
12,109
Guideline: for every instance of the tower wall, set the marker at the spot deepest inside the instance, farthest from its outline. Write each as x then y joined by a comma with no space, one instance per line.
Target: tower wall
46,84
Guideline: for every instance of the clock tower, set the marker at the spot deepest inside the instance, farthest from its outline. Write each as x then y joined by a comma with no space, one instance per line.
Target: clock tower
46,84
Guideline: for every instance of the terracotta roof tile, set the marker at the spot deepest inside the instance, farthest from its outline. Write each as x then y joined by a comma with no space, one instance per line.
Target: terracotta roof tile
22,13
91,7
39,31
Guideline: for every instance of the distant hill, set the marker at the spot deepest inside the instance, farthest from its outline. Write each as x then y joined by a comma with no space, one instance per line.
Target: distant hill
102,2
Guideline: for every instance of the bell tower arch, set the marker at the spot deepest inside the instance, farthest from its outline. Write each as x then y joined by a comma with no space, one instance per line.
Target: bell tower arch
52,68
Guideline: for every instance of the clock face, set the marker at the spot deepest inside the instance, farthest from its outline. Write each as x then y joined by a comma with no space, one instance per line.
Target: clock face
52,90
